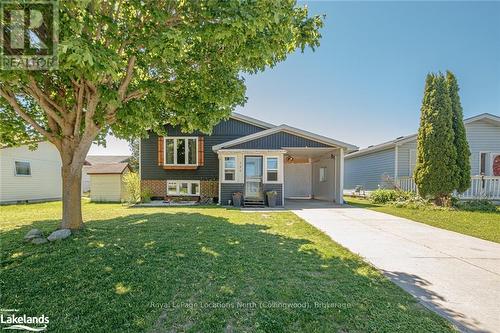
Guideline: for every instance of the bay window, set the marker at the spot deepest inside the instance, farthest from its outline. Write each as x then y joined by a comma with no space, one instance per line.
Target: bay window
181,151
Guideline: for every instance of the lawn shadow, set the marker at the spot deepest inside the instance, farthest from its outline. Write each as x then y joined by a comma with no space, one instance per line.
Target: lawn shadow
419,288
185,271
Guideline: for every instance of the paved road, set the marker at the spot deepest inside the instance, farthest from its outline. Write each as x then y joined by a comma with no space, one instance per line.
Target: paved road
455,275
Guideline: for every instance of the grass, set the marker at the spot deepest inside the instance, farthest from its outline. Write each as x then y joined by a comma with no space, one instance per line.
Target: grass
196,270
485,225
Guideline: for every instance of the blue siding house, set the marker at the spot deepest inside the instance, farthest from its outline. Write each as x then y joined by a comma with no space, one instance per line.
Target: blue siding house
243,155
392,163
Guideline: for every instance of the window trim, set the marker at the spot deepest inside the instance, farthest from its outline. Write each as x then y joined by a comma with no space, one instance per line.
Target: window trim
235,180
15,168
486,158
186,150
177,188
325,178
277,181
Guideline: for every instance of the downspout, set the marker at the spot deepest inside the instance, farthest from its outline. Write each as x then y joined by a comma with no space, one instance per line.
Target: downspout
396,163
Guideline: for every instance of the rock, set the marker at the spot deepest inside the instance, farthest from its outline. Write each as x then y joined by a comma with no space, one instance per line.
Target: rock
59,235
33,233
39,240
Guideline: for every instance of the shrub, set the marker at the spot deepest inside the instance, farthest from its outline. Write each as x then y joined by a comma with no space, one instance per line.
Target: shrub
383,196
133,187
413,201
146,195
482,205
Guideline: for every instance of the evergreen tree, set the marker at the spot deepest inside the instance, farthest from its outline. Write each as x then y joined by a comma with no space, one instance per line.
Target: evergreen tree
436,155
460,139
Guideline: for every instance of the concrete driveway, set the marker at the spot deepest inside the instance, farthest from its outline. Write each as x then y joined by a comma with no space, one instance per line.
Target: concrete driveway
454,275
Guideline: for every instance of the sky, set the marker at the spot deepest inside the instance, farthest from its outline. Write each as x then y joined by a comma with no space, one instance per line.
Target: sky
364,84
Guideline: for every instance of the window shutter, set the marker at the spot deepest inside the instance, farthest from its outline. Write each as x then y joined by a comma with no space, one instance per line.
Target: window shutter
161,151
201,151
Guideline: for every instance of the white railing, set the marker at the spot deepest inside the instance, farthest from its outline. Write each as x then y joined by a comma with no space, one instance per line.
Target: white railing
482,187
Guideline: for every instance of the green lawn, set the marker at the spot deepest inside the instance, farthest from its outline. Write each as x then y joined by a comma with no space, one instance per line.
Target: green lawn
483,225
196,270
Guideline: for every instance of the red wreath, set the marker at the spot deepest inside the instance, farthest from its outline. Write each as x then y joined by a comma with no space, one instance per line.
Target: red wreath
496,166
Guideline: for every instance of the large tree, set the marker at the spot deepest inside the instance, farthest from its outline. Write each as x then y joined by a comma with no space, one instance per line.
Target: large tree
126,66
436,154
460,138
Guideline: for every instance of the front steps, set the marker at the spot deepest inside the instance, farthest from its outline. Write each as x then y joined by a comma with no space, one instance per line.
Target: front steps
254,203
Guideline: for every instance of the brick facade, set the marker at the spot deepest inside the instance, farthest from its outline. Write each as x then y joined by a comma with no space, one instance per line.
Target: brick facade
158,188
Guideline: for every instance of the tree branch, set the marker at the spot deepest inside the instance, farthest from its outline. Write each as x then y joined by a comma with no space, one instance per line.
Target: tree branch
122,90
41,97
17,108
79,110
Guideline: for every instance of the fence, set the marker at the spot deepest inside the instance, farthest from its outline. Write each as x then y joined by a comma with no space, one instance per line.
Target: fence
482,187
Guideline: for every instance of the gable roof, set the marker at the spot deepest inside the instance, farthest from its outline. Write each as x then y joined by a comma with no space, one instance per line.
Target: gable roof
250,120
287,129
107,168
97,159
407,138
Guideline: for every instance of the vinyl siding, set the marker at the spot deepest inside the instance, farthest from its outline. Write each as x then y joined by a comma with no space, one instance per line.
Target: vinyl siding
106,188
483,136
278,141
45,181
404,158
367,170
224,131
227,190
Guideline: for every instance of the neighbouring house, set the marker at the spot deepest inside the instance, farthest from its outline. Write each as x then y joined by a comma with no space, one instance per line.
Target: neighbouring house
92,160
244,155
30,175
106,182
392,163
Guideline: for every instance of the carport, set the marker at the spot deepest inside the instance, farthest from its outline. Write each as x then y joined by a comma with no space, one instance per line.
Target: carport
313,173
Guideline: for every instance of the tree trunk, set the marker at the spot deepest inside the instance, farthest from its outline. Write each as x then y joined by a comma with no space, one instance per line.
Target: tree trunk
72,198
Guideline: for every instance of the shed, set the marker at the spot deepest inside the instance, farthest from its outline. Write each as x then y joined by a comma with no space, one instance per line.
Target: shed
106,181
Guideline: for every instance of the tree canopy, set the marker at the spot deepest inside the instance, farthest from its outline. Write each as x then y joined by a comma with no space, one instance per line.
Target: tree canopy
129,66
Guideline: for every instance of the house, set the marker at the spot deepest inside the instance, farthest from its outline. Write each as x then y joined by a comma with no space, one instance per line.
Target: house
30,175
395,160
106,182
246,155
92,160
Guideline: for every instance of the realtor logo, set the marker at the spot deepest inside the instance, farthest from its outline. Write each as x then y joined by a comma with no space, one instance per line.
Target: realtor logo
11,321
28,34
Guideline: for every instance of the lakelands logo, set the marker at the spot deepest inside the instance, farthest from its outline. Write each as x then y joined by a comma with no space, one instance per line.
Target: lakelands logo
22,322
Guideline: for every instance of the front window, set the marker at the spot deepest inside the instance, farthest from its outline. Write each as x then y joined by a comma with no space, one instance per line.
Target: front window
230,168
272,169
183,187
23,168
181,151
482,164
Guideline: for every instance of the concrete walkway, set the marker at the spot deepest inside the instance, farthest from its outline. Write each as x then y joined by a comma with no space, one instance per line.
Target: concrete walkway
455,275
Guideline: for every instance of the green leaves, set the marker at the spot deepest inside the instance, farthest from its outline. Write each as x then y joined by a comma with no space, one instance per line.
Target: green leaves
443,164
190,58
